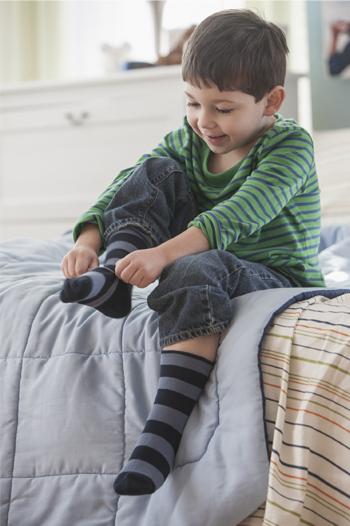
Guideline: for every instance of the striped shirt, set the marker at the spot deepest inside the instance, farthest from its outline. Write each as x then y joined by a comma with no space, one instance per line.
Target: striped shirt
265,209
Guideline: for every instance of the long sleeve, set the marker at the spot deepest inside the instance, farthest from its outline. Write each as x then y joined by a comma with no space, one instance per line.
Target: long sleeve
277,179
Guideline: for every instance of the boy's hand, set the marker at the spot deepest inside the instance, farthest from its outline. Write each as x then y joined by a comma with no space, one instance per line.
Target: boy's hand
141,267
78,261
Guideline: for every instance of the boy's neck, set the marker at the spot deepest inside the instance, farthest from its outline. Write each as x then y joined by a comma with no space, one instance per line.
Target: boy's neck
218,163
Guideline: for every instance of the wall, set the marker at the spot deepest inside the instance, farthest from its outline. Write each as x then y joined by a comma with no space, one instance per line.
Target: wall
330,96
29,44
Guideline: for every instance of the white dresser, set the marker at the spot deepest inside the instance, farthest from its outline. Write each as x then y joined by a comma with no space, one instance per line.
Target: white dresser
62,144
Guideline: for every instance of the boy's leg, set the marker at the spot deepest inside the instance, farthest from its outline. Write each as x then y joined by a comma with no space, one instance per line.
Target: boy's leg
194,304
153,205
184,370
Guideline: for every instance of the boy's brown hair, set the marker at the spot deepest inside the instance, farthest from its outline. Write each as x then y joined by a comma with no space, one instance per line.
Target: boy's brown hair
236,49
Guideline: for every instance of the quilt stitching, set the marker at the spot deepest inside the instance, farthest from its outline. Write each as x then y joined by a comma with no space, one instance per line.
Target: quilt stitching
17,410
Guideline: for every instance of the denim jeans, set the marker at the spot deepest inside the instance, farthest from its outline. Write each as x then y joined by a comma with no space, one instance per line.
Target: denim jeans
193,297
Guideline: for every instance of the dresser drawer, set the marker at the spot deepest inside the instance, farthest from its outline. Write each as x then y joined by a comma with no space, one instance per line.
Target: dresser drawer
88,107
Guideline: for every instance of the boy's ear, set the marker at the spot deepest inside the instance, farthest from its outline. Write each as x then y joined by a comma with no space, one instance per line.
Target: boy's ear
274,100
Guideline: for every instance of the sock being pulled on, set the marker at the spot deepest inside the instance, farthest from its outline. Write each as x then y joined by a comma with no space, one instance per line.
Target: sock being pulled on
100,288
183,376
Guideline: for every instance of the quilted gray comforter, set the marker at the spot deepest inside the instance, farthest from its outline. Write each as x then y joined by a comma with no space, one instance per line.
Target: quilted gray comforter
75,391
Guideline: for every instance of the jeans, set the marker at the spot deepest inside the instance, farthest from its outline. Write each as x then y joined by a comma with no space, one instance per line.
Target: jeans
193,297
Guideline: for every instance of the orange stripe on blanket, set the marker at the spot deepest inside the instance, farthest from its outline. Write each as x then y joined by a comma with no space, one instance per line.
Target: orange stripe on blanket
304,479
315,384
286,474
317,414
347,334
329,496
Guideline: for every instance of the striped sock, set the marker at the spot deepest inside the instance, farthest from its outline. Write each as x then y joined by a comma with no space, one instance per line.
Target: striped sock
183,376
100,288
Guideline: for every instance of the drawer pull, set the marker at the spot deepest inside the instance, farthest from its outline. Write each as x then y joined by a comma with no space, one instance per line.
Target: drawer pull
77,120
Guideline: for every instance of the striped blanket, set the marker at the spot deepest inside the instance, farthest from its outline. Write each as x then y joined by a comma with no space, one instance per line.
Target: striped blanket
305,362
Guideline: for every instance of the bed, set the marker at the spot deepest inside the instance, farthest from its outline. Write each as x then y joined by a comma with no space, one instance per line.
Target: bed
268,446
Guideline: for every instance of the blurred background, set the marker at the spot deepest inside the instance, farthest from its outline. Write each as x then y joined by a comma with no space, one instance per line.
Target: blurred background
65,39
79,39
87,86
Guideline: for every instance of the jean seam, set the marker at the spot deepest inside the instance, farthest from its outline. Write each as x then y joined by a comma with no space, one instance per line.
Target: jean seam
122,223
155,183
268,278
244,267
168,170
211,319
193,332
263,277
154,194
228,274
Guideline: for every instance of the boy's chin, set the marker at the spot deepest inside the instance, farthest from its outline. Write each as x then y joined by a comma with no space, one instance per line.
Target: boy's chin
220,150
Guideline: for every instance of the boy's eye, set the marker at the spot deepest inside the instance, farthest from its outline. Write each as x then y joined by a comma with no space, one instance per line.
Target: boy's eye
219,110
224,110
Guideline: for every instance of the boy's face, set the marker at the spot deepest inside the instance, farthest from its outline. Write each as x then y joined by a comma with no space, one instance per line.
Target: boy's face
228,121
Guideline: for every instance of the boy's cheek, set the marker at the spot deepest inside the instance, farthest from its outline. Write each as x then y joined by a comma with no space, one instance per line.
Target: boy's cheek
193,124
189,120
190,117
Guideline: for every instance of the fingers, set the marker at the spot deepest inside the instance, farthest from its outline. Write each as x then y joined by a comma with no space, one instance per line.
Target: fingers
121,266
84,265
126,274
64,267
138,280
73,266
68,267
131,273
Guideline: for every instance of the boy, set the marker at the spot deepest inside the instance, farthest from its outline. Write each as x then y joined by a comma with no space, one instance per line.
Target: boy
226,205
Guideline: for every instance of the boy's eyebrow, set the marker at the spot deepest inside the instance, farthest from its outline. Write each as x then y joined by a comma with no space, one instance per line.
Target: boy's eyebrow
216,100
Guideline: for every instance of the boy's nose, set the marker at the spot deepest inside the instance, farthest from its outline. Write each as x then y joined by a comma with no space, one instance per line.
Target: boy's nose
205,122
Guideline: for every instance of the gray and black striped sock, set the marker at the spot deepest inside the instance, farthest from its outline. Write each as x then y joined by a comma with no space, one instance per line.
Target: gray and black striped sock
183,376
100,288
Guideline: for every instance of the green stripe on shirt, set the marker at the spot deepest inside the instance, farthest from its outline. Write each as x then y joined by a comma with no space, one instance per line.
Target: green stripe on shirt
273,189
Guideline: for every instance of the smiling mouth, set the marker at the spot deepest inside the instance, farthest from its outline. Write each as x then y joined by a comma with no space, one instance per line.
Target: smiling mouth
215,139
